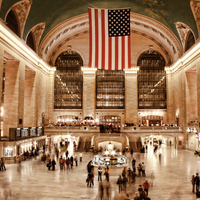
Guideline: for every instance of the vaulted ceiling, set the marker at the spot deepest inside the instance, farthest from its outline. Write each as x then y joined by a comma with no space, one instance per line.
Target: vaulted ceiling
53,12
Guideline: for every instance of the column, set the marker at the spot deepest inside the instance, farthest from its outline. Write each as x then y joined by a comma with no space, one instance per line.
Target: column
14,95
1,81
89,94
50,101
131,95
170,97
29,99
198,90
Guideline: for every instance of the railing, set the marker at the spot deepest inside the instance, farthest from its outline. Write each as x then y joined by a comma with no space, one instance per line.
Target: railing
152,128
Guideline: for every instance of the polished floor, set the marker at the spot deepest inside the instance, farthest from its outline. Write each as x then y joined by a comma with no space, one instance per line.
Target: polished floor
172,178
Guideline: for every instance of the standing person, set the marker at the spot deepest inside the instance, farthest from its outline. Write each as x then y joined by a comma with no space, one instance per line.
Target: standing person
119,183
66,153
129,174
133,164
146,186
53,163
76,160
107,173
71,161
143,169
100,173
43,148
49,148
193,183
196,179
131,153
49,164
67,162
160,155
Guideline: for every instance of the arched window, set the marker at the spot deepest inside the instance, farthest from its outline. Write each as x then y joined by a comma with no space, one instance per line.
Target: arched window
151,81
68,81
12,23
30,41
190,41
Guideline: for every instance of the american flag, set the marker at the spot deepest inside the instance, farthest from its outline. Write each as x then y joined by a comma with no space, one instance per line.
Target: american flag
109,32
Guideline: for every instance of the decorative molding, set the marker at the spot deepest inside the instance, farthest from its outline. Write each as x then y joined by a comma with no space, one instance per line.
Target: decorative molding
37,31
21,10
140,24
195,6
183,31
60,30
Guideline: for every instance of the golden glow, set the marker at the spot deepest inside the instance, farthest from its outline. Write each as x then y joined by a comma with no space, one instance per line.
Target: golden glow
21,47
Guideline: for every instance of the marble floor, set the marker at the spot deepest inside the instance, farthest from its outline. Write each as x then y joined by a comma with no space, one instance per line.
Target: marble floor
172,178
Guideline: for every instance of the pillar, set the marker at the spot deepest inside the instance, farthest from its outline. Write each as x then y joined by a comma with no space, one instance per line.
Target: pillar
29,99
1,81
131,95
89,86
13,95
170,97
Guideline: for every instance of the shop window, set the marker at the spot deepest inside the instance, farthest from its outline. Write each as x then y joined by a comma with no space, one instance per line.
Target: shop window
110,89
151,81
12,23
68,84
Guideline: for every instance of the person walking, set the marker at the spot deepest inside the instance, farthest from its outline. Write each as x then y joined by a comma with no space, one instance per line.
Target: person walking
196,179
81,157
101,190
49,164
146,186
143,169
53,164
133,164
119,183
100,173
76,160
193,182
71,161
129,175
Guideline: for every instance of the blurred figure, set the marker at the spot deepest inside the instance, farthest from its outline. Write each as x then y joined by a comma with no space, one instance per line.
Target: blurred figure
136,196
193,183
76,160
196,180
119,183
100,173
81,156
53,164
146,186
152,178
3,167
101,190
107,190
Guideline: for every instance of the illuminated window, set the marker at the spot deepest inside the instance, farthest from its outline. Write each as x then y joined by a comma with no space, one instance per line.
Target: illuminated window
30,41
110,89
151,81
68,81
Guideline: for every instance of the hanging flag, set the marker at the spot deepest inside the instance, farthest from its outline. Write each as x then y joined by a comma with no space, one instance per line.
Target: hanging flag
109,32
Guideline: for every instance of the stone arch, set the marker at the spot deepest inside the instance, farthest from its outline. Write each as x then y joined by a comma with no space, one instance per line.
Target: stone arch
21,9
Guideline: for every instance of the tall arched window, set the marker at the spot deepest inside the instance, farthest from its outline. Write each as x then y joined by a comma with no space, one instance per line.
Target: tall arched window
12,23
190,40
68,81
30,41
151,81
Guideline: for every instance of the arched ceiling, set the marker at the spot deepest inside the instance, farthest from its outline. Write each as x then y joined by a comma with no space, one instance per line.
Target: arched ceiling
53,12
